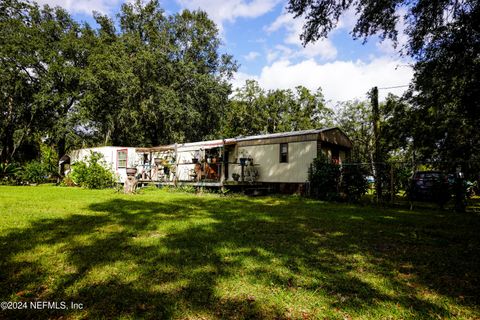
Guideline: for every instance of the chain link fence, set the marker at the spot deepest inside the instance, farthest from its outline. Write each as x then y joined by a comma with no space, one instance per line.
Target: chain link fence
415,184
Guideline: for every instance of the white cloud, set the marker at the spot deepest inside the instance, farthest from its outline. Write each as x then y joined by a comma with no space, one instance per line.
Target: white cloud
339,80
347,20
387,46
322,48
282,20
239,79
272,55
221,10
83,6
252,55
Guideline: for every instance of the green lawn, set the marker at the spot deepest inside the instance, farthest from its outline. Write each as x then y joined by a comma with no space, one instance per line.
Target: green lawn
170,255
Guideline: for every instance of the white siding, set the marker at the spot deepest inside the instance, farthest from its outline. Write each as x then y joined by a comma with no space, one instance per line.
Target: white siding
109,157
267,157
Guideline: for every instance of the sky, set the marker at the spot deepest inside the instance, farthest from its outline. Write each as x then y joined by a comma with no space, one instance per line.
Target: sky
265,40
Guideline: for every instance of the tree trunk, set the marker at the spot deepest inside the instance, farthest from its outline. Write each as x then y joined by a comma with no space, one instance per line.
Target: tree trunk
7,145
61,146
7,140
130,185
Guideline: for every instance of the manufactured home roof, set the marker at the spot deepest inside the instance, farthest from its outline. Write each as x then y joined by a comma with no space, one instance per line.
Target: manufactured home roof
204,144
210,143
343,140
283,134
228,141
156,149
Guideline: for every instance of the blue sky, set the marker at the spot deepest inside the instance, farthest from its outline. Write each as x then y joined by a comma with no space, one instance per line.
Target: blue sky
264,39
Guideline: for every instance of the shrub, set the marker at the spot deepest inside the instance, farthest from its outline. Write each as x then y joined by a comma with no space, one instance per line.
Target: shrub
330,181
8,173
49,160
441,192
34,172
353,183
324,176
92,173
40,171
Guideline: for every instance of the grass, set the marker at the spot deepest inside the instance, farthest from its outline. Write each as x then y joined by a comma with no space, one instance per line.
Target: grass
164,255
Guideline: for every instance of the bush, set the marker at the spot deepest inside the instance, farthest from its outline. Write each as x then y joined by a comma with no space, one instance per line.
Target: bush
49,160
441,192
39,171
34,172
330,181
92,173
324,176
8,173
354,183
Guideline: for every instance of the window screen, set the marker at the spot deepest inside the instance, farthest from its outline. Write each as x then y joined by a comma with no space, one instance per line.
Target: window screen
283,152
121,158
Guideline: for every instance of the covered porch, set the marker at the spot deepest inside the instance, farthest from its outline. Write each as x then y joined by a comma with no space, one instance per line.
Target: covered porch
201,164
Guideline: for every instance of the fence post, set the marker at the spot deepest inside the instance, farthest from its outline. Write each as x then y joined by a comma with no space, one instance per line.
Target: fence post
392,187
376,134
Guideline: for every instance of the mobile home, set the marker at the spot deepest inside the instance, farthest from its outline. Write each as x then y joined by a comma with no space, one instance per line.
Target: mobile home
116,159
279,161
282,159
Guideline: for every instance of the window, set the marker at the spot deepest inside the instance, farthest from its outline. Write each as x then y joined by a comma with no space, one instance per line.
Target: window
121,159
283,152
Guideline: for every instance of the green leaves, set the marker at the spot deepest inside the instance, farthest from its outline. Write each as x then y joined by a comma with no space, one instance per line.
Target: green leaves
41,52
443,39
156,79
92,173
324,177
254,111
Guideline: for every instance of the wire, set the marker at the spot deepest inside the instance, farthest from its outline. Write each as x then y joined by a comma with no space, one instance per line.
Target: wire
402,86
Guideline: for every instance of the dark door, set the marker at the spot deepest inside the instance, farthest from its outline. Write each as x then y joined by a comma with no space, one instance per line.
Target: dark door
335,155
225,163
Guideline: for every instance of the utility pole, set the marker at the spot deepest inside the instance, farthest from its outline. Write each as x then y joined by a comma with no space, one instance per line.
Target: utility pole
376,136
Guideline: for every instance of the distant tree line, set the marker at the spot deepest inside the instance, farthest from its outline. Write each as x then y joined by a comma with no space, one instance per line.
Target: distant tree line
253,110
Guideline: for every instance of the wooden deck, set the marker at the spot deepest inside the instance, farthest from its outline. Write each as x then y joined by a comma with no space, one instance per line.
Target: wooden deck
182,183
216,184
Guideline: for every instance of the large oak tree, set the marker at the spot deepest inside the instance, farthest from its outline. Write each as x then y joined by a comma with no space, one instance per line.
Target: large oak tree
141,78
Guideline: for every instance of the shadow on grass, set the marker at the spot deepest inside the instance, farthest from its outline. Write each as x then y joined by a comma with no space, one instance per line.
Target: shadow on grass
233,258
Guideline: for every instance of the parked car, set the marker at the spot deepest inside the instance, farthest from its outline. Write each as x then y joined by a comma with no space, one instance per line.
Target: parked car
370,181
429,185
472,188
